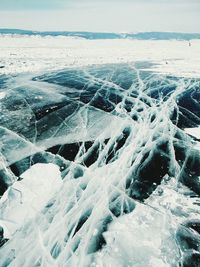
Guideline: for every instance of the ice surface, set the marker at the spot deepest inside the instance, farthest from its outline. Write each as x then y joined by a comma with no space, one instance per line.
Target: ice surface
99,164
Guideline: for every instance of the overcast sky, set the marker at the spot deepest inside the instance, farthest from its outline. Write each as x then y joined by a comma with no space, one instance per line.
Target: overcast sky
101,15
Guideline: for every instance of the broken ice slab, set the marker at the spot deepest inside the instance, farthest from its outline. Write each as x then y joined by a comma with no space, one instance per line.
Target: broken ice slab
16,115
23,106
14,147
45,117
145,229
25,198
85,124
195,132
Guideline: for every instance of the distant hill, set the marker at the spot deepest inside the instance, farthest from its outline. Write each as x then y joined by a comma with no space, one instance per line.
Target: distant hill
102,35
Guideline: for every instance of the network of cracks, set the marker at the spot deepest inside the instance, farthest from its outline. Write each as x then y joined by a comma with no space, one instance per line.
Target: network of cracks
117,134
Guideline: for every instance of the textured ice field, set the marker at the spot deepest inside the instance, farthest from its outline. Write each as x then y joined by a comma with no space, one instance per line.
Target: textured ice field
99,153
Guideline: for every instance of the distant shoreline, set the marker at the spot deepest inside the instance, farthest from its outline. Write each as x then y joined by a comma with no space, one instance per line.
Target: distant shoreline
106,35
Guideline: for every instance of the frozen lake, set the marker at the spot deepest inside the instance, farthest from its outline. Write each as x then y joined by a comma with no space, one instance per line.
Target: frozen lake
99,152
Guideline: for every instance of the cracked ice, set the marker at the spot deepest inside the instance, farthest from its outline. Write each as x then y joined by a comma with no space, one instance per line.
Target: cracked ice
99,167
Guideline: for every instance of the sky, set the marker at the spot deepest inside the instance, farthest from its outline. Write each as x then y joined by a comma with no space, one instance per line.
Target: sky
101,15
